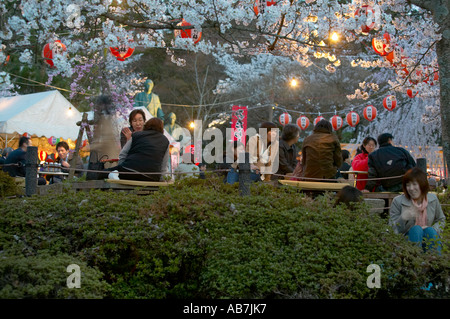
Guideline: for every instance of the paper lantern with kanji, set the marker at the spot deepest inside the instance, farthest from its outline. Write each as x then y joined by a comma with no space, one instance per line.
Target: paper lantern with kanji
366,15
317,119
52,49
396,55
412,93
370,113
193,34
352,119
261,5
390,102
122,52
336,122
42,156
303,122
285,118
382,45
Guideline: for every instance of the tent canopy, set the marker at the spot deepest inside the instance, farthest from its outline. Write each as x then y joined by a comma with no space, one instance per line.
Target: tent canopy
42,114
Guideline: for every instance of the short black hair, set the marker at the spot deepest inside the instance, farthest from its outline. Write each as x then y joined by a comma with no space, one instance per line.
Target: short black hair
24,140
384,138
345,154
62,144
349,195
290,131
324,124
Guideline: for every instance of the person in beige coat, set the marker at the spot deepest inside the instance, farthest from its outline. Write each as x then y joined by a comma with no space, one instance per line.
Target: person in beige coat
418,214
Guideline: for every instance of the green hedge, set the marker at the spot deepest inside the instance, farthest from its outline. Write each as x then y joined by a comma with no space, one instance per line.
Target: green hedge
200,239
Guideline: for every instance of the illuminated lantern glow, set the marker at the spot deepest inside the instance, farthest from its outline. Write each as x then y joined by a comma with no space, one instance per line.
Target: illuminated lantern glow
366,15
303,122
317,119
370,113
193,34
412,93
390,102
261,5
122,52
51,50
42,156
352,119
285,118
336,122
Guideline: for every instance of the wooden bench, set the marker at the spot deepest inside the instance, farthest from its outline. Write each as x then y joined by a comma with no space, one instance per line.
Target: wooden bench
314,186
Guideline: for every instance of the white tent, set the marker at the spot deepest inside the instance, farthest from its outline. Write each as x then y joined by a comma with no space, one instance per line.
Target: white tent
42,114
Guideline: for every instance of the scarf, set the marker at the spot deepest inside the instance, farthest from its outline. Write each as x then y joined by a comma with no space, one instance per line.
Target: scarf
421,217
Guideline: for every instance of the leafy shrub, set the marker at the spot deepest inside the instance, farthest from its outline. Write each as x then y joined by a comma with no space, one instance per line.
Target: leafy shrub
200,239
45,276
8,186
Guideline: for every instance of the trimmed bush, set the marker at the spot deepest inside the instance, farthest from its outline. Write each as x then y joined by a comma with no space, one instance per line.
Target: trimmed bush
8,186
200,239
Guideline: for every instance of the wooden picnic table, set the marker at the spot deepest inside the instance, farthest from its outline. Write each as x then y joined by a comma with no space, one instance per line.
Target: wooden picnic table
314,186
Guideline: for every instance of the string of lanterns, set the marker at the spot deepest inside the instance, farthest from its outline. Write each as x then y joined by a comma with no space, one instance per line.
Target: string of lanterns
352,118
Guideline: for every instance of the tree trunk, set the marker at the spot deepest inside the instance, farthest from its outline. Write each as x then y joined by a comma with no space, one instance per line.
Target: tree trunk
441,15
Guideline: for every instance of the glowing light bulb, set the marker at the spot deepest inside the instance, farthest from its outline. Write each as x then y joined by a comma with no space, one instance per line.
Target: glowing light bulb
335,36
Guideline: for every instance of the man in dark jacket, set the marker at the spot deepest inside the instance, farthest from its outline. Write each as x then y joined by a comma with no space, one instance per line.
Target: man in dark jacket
17,157
388,161
288,151
321,152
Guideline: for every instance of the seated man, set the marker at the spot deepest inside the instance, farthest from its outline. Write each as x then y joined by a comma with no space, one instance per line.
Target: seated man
5,154
388,161
18,157
65,158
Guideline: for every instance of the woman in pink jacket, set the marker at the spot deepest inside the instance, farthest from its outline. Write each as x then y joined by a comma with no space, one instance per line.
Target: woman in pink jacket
360,162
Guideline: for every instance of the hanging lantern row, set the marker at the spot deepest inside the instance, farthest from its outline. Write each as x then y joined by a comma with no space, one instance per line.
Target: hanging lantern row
352,118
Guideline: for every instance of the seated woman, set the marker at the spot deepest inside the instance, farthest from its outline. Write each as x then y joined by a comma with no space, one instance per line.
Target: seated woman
146,152
417,213
321,152
361,161
137,120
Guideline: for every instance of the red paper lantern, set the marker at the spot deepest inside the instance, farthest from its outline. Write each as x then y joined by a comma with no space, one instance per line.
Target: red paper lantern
367,16
382,45
260,6
52,49
317,119
42,155
390,102
370,113
412,93
352,119
122,52
285,118
193,34
396,55
26,135
336,122
303,122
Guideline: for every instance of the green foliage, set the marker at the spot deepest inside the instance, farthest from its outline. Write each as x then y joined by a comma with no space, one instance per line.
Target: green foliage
200,239
8,186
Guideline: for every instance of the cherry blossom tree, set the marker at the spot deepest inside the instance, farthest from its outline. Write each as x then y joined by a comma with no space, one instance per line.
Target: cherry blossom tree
296,29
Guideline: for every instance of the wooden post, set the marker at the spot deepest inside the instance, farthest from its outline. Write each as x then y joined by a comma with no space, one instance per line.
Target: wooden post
422,164
244,175
31,170
73,163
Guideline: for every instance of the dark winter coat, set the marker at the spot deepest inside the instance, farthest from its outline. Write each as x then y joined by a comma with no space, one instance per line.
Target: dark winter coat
321,155
388,161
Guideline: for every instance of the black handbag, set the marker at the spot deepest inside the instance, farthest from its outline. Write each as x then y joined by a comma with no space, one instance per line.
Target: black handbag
95,164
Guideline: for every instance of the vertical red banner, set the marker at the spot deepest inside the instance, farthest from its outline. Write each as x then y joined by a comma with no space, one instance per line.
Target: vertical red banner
238,123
